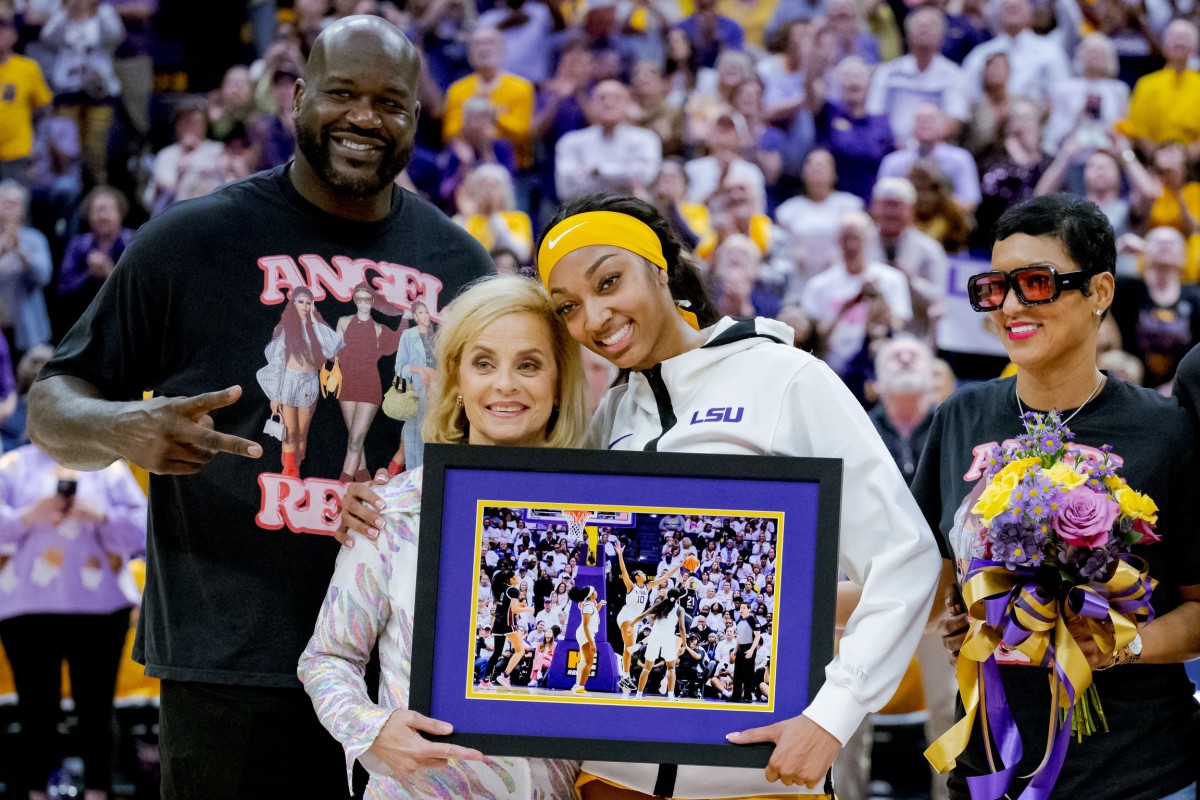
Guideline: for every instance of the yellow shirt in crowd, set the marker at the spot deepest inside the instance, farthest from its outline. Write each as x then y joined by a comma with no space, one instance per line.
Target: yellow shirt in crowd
23,90
517,221
1164,107
512,98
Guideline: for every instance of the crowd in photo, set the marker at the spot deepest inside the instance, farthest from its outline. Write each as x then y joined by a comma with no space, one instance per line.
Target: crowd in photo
838,166
723,568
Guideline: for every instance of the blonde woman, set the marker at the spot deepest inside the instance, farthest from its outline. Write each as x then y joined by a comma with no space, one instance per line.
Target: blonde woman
500,343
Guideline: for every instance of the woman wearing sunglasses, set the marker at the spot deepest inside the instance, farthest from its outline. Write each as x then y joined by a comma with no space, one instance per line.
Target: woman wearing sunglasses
1054,262
627,291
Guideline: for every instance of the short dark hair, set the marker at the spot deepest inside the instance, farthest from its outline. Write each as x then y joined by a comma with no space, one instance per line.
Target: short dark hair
683,279
1078,224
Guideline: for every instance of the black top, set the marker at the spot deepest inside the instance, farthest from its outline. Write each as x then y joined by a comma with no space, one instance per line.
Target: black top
235,579
905,450
1153,719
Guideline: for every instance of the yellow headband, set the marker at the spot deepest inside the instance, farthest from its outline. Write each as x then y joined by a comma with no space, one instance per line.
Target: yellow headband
602,227
598,227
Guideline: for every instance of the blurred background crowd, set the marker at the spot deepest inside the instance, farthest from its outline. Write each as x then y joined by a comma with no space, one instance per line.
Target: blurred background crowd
835,164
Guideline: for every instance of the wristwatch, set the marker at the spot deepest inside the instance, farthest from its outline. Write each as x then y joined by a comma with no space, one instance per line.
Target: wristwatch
1135,649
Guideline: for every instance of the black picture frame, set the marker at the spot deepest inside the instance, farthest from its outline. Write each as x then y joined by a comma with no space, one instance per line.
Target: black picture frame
458,480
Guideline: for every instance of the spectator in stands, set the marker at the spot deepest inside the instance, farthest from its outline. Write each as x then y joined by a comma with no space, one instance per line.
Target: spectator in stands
904,383
526,27
91,257
231,106
683,69
191,166
734,276
1158,316
275,134
858,141
724,159
56,175
25,93
710,33
1089,105
929,142
609,155
443,29
812,220
924,75
66,595
738,209
510,95
651,109
1163,106
710,100
783,75
1114,179
966,29
1010,172
919,257
764,145
25,270
936,214
486,209
990,109
691,222
844,27
83,36
475,144
1178,204
1038,64
856,300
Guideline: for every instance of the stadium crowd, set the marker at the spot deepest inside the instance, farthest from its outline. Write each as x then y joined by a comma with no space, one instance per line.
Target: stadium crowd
828,162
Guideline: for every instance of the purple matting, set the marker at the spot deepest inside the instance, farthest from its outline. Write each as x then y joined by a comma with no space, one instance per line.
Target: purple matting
459,571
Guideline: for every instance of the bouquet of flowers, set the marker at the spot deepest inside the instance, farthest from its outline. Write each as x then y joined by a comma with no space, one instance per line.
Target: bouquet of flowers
1057,528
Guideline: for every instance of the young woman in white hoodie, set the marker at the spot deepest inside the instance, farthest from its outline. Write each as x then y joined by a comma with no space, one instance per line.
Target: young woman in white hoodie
627,291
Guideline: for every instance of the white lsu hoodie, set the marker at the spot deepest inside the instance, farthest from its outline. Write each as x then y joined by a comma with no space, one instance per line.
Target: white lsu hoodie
783,401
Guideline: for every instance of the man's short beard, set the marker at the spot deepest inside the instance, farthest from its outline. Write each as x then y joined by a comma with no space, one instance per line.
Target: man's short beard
316,145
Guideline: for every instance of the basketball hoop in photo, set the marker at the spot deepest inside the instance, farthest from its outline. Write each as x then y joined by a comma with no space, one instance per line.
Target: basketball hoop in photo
577,520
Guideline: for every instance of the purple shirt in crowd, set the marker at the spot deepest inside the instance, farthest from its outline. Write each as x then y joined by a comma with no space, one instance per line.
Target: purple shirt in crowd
74,274
857,144
75,567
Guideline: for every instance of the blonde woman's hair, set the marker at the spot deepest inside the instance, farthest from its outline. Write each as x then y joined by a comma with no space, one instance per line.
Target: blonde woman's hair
486,301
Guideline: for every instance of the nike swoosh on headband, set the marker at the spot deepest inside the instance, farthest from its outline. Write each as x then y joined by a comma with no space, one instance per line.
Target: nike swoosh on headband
556,239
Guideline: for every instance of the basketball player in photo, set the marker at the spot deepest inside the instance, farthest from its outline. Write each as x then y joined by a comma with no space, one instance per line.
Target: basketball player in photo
637,597
585,634
668,622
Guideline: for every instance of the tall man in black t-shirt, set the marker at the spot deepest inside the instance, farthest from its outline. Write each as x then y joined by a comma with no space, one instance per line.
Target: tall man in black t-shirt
243,289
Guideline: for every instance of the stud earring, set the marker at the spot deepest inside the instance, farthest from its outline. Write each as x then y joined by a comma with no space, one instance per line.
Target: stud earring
459,400
1099,312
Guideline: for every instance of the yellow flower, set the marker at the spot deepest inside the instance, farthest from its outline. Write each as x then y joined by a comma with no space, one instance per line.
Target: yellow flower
1113,483
995,498
1136,505
1065,476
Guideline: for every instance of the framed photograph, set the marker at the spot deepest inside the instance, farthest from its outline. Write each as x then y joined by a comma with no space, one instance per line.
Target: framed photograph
521,590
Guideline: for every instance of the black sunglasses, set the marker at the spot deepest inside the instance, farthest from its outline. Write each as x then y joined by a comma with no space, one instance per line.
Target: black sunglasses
1035,285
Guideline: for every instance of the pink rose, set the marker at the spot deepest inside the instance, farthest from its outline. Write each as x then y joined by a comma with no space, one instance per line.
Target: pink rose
1149,535
1085,518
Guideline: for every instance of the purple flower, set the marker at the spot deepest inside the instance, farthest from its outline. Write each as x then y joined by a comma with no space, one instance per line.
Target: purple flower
1096,566
1085,518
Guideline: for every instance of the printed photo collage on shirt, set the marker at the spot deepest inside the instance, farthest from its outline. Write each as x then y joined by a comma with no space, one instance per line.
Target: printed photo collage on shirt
633,606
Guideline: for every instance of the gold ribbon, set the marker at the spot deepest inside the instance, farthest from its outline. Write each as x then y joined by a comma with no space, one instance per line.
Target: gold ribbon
1046,622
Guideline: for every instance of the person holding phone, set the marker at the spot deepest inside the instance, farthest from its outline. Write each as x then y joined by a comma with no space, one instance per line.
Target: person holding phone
66,594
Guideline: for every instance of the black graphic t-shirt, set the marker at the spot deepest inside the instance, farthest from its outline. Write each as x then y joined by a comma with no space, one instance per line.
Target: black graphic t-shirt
212,294
1153,718
1158,335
